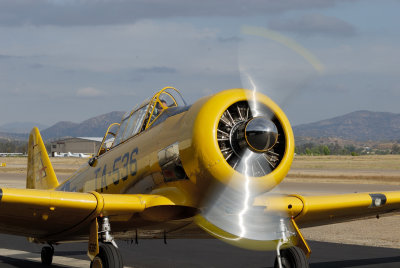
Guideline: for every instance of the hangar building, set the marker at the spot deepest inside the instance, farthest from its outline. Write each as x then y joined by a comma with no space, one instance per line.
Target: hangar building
85,145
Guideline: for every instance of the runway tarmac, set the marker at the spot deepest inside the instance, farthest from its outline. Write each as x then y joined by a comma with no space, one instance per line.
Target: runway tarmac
17,252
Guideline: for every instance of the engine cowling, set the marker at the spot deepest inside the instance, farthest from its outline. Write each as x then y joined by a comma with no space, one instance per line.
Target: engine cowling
238,134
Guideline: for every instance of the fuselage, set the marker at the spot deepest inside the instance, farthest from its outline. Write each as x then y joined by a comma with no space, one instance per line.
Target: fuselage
133,167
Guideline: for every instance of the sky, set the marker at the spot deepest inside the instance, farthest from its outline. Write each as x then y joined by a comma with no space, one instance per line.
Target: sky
69,60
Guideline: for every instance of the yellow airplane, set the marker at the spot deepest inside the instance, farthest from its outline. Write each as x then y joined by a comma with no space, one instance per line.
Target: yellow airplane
176,170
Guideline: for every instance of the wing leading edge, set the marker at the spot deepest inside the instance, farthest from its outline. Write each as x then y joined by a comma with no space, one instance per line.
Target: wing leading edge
310,211
47,215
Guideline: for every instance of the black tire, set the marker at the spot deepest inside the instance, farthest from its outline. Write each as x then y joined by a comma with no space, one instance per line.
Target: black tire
292,257
108,257
47,255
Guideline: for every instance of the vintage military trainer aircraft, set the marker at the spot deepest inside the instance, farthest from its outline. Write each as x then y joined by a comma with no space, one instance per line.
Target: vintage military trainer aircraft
176,170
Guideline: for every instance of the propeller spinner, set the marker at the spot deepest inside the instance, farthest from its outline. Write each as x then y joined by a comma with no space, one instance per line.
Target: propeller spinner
259,134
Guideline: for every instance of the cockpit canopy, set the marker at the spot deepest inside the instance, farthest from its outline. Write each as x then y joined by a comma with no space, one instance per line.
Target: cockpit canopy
145,115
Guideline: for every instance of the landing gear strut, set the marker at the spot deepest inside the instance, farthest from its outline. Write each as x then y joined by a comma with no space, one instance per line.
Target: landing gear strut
47,255
292,257
108,254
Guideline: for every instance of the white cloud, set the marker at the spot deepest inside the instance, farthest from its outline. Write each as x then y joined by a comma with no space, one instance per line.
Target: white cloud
89,92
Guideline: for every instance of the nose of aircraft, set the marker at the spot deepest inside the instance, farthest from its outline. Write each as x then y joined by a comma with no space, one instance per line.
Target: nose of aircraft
261,134
252,153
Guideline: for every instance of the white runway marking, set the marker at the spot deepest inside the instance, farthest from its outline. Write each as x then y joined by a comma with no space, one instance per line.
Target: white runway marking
58,260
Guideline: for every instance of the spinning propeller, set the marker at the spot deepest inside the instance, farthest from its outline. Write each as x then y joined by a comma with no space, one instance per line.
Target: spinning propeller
256,140
253,141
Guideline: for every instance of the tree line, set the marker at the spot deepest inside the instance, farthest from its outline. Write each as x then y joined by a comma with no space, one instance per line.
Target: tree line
335,149
303,149
14,147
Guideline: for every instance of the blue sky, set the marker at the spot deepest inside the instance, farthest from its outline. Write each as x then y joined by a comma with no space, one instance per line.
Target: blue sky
71,60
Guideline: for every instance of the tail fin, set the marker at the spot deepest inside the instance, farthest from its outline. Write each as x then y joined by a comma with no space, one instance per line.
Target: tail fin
40,174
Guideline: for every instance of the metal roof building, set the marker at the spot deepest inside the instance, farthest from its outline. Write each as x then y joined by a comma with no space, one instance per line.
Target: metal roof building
86,145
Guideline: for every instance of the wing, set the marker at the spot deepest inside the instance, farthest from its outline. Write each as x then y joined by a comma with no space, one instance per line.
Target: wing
50,215
319,210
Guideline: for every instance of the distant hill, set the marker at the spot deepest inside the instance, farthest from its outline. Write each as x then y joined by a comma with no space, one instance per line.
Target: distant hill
4,137
356,126
93,127
20,127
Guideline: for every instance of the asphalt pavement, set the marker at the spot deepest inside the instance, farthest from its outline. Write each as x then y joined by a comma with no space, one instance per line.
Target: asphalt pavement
198,253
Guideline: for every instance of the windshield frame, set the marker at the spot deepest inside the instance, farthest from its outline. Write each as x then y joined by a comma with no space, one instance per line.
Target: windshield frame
173,93
147,120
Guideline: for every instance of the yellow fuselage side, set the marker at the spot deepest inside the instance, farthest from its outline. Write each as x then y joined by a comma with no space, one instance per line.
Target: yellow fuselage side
132,167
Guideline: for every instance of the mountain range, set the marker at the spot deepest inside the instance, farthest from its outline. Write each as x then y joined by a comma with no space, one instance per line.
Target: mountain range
356,126
93,127
20,127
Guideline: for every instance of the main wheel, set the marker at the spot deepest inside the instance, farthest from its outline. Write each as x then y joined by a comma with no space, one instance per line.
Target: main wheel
47,255
108,257
292,257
